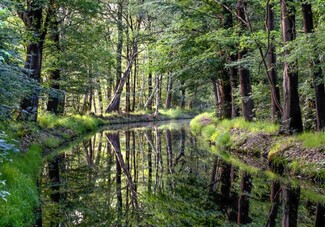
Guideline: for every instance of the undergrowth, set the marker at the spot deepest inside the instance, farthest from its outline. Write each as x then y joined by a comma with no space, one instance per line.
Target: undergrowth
20,177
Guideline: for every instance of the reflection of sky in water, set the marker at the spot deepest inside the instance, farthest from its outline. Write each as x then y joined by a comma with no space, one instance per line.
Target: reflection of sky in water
174,179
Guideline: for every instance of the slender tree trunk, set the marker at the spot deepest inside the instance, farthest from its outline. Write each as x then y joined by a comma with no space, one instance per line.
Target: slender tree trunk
183,95
149,106
320,215
158,79
169,91
244,74
317,70
100,96
291,119
119,49
276,112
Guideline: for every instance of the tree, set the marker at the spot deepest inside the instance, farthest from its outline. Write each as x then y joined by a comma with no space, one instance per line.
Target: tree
243,71
291,119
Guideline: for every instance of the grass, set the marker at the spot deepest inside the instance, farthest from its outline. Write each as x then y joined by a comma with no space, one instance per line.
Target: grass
77,123
217,131
21,176
312,140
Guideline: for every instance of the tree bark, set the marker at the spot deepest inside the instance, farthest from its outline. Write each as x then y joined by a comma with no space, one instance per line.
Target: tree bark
317,70
291,197
119,49
169,91
291,119
275,97
244,74
33,20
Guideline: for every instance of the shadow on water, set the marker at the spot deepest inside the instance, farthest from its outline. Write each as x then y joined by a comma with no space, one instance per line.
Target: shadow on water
162,175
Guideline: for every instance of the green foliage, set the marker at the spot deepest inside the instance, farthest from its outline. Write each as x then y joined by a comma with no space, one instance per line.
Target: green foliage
21,179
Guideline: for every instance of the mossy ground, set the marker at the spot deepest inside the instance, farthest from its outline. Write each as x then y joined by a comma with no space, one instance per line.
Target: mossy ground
301,155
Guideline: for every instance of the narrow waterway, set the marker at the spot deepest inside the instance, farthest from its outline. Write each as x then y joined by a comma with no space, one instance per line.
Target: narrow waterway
162,175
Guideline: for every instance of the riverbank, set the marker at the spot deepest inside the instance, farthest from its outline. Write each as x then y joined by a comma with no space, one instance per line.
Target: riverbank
24,144
258,144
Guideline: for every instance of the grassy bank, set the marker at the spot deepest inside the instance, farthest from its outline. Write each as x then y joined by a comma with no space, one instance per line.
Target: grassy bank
22,160
301,155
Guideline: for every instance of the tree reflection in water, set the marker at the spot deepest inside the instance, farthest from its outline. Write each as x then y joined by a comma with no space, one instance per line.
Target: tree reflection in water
165,176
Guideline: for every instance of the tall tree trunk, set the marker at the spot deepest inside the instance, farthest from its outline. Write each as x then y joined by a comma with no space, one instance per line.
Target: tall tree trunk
169,91
119,49
291,119
183,95
226,90
149,106
158,80
100,96
244,74
275,96
225,98
33,20
317,70
55,103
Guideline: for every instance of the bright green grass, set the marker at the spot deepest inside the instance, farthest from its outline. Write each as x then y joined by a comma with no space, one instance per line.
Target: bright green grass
77,123
312,140
21,180
174,113
201,120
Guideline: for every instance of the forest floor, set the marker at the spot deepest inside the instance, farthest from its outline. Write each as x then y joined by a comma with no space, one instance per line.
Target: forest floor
259,145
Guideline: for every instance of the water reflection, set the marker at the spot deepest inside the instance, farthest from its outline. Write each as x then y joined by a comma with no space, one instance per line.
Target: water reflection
165,176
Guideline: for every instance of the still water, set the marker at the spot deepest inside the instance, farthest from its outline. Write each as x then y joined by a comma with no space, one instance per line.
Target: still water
162,175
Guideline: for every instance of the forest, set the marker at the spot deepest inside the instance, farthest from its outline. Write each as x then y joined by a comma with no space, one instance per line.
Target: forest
69,67
257,59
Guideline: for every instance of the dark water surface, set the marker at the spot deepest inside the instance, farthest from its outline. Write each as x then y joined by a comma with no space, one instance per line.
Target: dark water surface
162,175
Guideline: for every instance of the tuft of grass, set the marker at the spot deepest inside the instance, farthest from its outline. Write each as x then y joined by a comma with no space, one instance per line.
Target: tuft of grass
312,140
175,113
20,176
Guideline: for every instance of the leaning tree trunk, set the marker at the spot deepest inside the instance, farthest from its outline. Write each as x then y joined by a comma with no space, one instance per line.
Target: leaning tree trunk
318,73
244,74
114,104
291,119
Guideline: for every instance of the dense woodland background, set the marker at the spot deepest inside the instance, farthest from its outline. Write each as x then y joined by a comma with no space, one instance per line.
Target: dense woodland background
256,59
